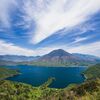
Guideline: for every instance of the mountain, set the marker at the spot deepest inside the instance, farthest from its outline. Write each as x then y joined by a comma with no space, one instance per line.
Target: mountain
58,56
16,58
87,57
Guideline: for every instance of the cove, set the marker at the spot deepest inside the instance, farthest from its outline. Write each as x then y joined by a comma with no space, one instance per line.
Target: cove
36,75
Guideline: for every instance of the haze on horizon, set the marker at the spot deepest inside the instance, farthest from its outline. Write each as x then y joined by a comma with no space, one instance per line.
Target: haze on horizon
36,27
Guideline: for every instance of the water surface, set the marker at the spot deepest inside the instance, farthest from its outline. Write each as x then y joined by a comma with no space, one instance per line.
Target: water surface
38,75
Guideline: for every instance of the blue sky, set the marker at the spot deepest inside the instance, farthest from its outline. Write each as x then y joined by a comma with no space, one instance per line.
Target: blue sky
36,27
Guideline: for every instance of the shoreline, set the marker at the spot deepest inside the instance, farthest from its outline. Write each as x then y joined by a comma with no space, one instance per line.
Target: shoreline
9,76
70,66
85,77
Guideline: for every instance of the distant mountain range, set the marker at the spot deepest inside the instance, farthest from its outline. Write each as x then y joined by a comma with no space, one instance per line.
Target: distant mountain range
16,58
57,57
62,58
87,57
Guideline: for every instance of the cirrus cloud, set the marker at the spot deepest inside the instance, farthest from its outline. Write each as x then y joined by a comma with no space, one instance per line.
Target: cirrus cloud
6,6
12,49
51,16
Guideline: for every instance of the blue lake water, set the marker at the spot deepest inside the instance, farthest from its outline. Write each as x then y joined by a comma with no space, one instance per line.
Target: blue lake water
38,75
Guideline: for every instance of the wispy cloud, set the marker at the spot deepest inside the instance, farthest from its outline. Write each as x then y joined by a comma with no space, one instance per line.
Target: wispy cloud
7,48
50,24
51,16
80,39
6,6
48,16
92,48
12,49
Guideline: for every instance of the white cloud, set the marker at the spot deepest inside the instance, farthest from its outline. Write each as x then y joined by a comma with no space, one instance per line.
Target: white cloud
92,48
5,7
51,16
80,39
11,49
7,48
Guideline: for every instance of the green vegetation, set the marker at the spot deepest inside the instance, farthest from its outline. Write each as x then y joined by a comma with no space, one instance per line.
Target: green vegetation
89,90
93,72
5,73
57,64
19,91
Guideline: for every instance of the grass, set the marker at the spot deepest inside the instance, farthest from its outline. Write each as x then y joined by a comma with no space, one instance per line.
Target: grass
19,91
92,72
5,73
89,90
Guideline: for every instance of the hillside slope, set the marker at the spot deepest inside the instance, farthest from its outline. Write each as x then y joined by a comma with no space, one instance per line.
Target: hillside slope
93,72
62,58
19,91
55,58
5,73
89,90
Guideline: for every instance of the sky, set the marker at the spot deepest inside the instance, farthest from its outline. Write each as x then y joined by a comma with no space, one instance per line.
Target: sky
36,27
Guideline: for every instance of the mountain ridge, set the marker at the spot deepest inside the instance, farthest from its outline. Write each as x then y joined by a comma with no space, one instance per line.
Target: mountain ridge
75,56
57,57
58,54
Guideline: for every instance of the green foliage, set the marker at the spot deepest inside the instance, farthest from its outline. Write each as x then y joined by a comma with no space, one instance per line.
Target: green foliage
89,86
59,64
5,73
92,72
20,91
46,84
89,90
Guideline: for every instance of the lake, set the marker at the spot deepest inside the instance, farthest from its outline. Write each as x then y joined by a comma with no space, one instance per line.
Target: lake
38,75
